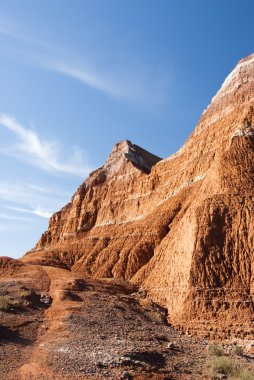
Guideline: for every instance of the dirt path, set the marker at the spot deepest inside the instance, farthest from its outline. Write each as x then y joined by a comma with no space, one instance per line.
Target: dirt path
52,329
103,329
100,330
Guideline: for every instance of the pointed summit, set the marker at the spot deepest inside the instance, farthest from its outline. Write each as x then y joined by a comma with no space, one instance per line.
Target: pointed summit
139,157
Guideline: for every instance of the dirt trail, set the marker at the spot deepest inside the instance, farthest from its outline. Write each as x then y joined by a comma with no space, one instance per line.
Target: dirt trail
103,329
52,328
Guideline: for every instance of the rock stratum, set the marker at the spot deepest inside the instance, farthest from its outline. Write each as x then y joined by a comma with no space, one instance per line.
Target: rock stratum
181,228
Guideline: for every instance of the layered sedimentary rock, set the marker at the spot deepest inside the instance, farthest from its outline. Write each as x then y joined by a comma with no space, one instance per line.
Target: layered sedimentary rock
182,227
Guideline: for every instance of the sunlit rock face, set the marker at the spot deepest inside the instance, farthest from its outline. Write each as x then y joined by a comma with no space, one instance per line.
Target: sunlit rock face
182,227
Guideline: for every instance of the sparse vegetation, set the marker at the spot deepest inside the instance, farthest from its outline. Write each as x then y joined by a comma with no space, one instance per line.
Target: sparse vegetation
237,350
5,302
155,316
223,365
216,350
244,374
25,293
228,367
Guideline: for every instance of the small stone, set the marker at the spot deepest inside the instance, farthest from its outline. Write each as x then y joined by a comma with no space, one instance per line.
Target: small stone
171,345
220,376
45,298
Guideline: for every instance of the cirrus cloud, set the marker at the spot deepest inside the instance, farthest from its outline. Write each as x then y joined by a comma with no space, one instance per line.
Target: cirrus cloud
130,78
38,211
38,151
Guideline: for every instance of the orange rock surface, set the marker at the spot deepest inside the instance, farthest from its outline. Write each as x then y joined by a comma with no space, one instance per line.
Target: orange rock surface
181,228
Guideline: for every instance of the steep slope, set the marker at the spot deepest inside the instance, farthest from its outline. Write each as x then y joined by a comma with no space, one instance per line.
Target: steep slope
182,227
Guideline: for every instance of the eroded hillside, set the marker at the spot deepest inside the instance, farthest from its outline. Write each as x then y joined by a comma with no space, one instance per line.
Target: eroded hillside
180,228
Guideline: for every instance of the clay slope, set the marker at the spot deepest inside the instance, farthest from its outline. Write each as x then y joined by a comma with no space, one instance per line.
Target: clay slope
182,227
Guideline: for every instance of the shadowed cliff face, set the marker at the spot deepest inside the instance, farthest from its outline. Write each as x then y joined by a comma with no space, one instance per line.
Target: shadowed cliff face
182,227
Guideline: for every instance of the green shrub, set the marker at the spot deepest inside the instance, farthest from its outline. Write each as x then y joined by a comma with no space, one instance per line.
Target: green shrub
230,368
25,293
216,350
222,364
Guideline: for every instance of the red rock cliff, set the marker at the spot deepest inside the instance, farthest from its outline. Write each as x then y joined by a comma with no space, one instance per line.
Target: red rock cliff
183,227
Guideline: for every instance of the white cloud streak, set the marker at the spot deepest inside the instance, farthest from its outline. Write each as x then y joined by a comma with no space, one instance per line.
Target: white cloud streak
42,213
136,83
13,217
44,154
34,211
24,198
56,192
132,79
86,76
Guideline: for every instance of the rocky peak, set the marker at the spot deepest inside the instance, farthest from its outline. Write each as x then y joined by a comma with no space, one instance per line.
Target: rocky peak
239,77
125,150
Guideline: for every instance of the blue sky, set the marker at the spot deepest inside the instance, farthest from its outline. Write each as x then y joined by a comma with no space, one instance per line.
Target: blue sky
77,76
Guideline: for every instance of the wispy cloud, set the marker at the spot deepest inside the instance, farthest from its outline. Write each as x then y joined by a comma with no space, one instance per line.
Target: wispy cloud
21,198
42,153
14,217
48,190
27,203
140,83
42,213
86,76
38,211
132,79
